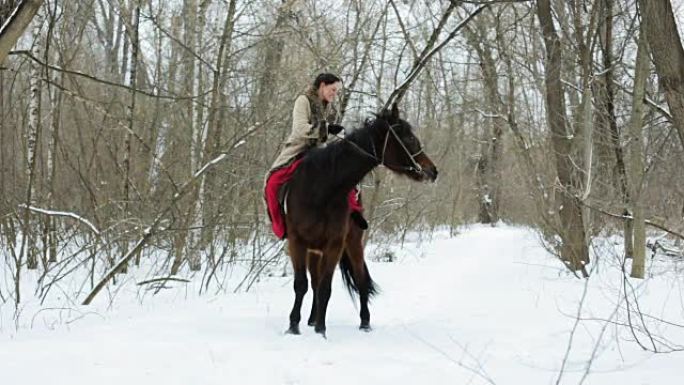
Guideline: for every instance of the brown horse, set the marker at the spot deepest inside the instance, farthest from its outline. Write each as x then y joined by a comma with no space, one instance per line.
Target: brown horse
320,233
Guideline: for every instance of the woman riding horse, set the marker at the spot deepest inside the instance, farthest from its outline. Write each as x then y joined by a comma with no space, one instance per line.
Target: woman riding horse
317,219
313,118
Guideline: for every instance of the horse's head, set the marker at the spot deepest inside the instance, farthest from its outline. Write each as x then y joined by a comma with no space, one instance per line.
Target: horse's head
401,150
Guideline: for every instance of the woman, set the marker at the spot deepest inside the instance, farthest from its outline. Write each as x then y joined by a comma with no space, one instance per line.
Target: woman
313,118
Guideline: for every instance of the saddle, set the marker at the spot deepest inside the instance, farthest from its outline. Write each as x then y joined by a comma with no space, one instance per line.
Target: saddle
275,194
282,196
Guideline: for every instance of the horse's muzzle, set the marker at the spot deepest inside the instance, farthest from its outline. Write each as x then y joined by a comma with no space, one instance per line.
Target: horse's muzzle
430,173
428,169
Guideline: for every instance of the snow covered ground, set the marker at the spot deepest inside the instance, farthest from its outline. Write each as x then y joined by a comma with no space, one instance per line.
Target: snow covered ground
487,306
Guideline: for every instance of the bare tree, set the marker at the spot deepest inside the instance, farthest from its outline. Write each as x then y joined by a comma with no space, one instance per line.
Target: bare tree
636,177
668,55
216,117
608,133
573,250
489,161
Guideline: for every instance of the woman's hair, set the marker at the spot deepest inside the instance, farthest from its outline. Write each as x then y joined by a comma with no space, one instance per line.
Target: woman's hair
325,78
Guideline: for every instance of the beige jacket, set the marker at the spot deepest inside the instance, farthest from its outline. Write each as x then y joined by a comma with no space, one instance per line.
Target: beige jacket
307,132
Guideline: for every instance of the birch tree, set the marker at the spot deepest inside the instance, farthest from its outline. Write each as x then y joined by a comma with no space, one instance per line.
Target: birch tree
187,131
33,135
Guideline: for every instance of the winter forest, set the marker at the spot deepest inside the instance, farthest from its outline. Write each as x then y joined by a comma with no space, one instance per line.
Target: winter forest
135,136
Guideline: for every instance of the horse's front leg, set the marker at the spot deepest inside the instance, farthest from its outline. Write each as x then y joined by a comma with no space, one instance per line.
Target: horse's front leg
331,256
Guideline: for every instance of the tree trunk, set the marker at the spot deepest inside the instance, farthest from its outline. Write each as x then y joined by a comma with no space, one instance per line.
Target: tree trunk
161,136
637,156
132,81
16,24
573,249
197,150
371,204
488,166
272,57
607,122
187,129
3,164
56,112
215,118
32,138
668,55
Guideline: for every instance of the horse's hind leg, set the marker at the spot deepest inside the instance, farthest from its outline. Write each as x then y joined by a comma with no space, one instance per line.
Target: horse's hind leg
301,284
360,275
331,255
315,260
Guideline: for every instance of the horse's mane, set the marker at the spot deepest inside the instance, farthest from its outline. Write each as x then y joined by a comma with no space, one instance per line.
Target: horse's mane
330,167
331,151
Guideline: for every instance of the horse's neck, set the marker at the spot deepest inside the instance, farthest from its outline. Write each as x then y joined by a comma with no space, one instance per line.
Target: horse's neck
358,158
353,159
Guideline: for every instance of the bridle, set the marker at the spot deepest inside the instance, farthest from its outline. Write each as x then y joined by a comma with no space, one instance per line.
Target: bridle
415,165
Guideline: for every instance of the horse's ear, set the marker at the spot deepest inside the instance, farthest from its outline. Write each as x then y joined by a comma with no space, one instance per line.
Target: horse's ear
395,111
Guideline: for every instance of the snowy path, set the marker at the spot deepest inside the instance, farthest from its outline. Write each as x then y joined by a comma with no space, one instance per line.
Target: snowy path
488,306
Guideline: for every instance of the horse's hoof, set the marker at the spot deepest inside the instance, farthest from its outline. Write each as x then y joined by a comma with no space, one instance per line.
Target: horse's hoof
365,328
293,330
321,331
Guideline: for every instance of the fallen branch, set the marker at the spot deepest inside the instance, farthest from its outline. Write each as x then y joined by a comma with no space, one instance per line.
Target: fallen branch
77,217
163,279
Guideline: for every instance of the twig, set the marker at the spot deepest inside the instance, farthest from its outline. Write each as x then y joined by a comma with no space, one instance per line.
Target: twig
102,81
477,371
624,217
572,332
426,55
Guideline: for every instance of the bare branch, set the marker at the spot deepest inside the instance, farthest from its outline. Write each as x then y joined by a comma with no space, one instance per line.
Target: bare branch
427,54
77,217
102,81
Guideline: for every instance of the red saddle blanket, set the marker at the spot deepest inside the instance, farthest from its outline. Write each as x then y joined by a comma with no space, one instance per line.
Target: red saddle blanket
275,212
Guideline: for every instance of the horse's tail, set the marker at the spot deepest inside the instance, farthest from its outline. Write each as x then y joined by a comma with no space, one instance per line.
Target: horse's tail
350,281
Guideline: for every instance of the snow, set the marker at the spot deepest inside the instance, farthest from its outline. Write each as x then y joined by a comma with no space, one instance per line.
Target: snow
489,305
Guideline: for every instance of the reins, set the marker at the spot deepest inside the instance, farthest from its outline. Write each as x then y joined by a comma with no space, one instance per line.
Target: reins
416,167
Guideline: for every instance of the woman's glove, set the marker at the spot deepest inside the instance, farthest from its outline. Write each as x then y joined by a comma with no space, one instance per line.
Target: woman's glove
334,129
